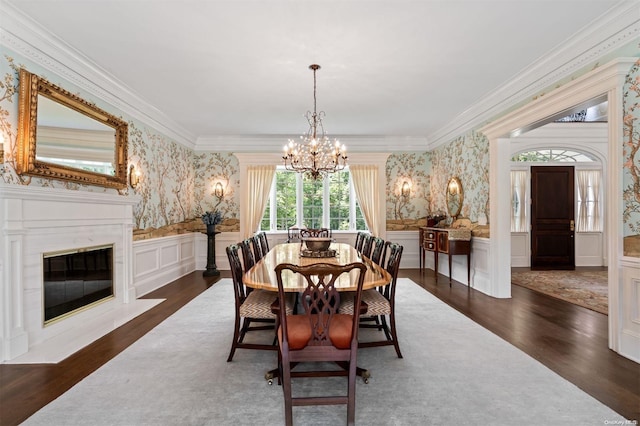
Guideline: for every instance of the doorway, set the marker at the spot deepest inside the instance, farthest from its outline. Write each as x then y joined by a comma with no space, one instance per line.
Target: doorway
552,218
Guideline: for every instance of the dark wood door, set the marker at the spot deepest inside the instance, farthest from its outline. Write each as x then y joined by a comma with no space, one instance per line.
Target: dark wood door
552,218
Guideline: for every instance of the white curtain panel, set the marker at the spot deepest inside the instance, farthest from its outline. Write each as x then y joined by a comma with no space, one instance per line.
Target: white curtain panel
519,220
259,180
588,200
365,182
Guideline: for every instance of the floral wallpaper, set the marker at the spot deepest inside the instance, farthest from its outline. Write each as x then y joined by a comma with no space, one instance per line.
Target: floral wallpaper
466,157
167,178
631,161
177,183
212,168
413,168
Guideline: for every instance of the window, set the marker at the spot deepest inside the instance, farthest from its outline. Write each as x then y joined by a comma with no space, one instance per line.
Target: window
553,155
589,217
519,219
325,203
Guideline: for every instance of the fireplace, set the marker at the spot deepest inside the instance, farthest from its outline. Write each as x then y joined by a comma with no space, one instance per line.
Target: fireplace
76,279
41,223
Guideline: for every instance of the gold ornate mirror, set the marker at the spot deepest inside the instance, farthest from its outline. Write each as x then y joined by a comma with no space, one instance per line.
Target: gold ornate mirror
455,196
62,136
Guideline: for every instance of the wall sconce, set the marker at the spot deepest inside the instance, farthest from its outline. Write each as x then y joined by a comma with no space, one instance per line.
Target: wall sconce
134,176
406,189
218,190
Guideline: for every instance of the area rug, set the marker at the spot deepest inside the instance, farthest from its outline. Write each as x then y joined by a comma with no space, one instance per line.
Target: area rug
588,289
454,372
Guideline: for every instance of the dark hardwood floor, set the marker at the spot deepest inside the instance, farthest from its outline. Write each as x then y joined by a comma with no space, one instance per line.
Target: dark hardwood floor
568,339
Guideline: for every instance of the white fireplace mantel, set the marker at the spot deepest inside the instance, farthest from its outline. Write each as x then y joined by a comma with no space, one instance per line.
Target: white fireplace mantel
37,220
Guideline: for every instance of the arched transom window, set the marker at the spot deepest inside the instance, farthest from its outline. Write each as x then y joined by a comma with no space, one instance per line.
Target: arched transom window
552,155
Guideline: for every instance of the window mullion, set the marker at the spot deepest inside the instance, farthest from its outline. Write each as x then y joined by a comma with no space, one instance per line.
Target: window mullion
326,207
273,205
299,200
352,205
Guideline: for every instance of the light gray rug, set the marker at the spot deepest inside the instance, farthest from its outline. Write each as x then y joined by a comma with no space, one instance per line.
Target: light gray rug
454,372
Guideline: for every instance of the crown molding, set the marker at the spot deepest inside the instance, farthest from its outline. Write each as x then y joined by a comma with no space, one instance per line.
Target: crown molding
612,31
23,35
276,143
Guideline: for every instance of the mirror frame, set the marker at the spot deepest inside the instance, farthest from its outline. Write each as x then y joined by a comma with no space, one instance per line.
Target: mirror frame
31,85
454,181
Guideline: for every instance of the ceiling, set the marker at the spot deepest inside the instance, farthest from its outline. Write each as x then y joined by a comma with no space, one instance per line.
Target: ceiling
215,71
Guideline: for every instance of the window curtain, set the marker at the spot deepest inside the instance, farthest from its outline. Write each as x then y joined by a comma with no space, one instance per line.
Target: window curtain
365,183
588,201
259,180
519,220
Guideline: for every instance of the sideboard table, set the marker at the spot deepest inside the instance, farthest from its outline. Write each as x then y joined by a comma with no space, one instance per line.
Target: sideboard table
449,241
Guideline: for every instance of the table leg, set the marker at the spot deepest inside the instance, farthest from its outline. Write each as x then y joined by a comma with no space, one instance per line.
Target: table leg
435,255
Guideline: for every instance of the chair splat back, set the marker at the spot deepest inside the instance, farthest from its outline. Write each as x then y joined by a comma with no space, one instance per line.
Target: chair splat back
377,249
320,300
360,237
247,255
236,273
367,245
264,243
257,247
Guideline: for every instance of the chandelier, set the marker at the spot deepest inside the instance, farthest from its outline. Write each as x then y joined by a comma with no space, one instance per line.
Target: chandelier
315,154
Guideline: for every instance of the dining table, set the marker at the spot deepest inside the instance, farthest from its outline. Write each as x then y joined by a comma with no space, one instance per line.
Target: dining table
262,275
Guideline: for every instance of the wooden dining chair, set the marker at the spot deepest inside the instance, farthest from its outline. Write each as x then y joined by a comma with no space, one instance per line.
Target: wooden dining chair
257,247
293,234
360,237
248,258
380,304
319,334
378,247
367,245
250,307
264,243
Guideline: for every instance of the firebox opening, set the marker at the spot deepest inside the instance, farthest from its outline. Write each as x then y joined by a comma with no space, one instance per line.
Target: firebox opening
75,280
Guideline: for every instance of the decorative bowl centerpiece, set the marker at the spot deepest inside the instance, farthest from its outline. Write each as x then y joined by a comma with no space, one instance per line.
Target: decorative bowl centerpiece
317,243
317,247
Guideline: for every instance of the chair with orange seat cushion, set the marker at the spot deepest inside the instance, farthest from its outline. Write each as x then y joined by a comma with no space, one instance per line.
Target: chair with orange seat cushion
319,334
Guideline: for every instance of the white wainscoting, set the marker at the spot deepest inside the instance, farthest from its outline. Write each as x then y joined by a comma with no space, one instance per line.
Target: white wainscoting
159,261
520,249
589,249
479,265
480,271
409,240
629,300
